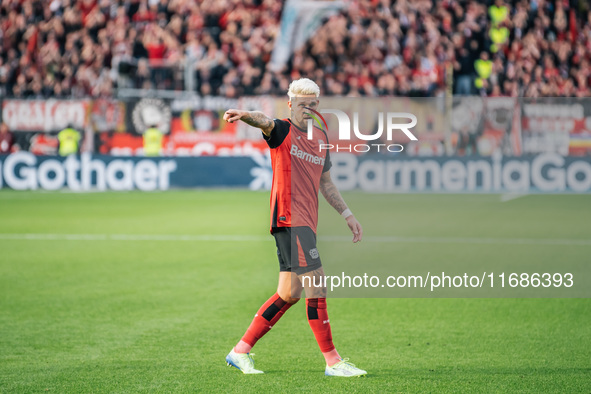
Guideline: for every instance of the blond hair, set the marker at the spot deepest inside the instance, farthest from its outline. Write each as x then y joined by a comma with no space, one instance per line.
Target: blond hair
303,86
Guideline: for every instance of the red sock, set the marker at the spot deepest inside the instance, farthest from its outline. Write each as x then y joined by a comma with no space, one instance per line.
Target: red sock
318,319
263,321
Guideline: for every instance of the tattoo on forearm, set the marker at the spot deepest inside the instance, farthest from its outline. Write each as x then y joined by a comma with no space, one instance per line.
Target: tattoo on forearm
258,119
332,196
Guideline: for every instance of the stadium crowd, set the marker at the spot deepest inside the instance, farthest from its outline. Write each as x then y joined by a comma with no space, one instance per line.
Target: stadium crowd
79,48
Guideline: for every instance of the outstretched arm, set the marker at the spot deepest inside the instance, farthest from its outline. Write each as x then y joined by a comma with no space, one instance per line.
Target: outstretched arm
254,118
334,198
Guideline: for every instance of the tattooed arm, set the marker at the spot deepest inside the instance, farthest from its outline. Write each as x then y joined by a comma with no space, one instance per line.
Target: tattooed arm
331,193
254,118
334,198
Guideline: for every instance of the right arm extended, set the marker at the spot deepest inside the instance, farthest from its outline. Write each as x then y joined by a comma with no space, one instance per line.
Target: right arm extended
254,118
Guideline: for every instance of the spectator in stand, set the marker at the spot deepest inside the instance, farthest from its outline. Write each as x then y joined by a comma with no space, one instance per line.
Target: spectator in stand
6,140
144,14
484,68
142,77
499,37
498,13
86,48
464,70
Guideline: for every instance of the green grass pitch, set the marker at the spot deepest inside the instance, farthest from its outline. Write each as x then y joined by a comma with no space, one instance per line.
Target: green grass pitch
93,313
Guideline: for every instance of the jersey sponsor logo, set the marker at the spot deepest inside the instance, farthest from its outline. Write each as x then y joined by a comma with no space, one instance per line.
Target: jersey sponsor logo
314,253
310,158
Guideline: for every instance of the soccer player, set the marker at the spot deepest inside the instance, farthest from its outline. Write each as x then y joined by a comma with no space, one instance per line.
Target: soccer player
300,169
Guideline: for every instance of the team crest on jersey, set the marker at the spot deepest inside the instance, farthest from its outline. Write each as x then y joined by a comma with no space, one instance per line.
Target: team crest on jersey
314,253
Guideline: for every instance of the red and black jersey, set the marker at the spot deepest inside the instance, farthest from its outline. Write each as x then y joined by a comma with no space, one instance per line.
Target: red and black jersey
298,164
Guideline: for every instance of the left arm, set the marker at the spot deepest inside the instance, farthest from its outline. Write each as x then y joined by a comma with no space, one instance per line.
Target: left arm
334,198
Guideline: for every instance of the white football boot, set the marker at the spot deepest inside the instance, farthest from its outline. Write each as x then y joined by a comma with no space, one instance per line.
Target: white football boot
344,369
242,361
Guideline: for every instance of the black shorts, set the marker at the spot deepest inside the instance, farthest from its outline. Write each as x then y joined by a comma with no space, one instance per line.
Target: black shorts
296,249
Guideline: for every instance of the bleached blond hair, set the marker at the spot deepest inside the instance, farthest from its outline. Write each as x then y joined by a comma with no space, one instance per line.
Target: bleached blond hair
303,86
